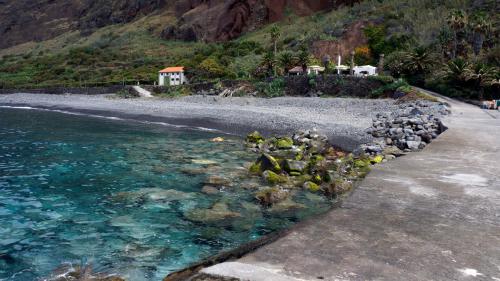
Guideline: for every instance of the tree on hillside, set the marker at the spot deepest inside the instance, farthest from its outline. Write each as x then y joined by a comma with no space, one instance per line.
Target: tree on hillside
456,70
457,20
303,58
287,61
419,61
269,61
481,26
481,76
275,34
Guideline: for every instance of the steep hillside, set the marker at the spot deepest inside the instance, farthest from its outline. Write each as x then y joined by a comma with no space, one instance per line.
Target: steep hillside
134,42
22,21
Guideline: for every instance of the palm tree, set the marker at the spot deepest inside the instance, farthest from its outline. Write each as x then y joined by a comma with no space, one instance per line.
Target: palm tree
269,61
481,26
456,70
482,76
419,61
287,61
275,34
457,20
303,58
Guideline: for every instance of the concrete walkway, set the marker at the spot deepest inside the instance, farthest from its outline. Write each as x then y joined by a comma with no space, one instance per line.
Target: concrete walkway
142,92
432,215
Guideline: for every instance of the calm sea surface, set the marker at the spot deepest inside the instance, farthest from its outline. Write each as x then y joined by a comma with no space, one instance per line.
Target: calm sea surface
123,197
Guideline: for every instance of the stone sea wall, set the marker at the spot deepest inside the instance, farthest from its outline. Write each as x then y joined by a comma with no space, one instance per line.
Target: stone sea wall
68,90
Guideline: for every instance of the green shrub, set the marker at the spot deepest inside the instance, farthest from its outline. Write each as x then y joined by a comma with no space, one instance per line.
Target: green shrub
271,89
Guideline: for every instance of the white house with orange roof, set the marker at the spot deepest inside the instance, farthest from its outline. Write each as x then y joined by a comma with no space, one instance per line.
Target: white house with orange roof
172,76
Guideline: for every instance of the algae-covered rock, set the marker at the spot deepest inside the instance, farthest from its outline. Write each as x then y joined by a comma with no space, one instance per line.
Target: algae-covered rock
317,179
268,162
293,166
284,143
273,178
269,196
255,168
217,213
311,186
255,137
377,159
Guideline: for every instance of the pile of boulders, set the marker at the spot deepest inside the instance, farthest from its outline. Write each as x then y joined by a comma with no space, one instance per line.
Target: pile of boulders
303,162
410,128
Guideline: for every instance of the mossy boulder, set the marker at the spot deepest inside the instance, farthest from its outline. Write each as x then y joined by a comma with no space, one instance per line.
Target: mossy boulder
273,178
311,186
255,137
293,166
270,196
255,168
284,143
268,162
317,179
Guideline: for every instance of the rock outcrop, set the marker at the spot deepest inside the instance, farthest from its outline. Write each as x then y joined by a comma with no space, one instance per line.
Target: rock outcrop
203,20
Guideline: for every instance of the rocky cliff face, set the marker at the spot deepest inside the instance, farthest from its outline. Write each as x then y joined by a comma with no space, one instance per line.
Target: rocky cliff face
27,20
208,20
218,20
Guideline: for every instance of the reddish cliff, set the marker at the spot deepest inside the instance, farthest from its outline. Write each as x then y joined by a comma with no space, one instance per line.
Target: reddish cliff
208,20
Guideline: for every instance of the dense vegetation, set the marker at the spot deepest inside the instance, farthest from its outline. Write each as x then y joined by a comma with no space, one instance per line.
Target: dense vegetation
451,46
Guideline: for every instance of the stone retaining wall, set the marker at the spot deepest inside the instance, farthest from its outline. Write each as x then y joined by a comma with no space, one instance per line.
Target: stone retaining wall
331,85
68,90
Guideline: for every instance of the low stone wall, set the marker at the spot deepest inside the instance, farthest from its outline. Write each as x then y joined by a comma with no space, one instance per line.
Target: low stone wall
68,90
331,85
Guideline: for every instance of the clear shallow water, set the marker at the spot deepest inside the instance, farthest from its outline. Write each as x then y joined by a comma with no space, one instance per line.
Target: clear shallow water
118,195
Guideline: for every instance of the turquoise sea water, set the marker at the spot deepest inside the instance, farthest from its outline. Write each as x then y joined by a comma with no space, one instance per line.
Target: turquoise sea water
117,196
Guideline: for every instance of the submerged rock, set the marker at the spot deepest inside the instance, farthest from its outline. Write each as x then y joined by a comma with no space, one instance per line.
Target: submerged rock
217,181
204,162
286,206
168,195
217,213
269,196
209,190
218,139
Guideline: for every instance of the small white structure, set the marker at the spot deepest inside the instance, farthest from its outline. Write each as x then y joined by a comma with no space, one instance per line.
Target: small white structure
172,76
365,70
312,69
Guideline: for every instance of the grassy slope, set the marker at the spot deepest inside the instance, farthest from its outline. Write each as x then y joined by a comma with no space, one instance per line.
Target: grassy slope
133,51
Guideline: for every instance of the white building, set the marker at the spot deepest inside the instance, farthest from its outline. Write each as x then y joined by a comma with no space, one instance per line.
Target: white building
365,70
172,76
